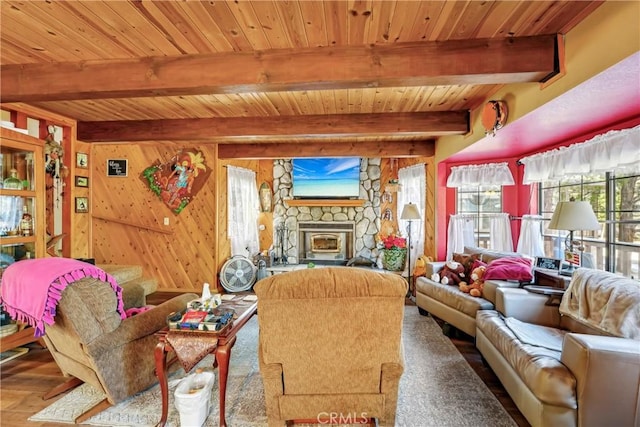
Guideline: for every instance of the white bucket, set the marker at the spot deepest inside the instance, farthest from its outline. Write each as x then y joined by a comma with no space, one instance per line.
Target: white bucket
193,407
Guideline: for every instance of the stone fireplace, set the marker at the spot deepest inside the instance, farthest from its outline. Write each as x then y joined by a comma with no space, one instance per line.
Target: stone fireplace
325,242
328,234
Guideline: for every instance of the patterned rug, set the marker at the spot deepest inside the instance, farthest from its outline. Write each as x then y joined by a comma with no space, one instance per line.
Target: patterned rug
438,388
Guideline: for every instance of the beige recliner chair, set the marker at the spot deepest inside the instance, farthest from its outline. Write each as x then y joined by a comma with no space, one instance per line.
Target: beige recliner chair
330,345
92,343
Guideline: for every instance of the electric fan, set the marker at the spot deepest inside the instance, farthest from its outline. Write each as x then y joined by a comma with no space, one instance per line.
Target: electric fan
237,274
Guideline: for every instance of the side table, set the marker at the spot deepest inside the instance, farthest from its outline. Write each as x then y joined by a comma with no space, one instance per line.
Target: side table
222,344
551,278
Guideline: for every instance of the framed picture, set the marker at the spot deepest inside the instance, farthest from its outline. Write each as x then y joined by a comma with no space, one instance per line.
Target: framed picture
82,160
572,257
82,181
117,167
548,263
82,204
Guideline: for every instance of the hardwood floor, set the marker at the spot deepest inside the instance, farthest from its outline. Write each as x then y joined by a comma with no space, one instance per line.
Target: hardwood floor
466,346
23,381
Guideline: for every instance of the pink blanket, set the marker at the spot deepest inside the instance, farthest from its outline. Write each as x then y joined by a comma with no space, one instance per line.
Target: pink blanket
30,289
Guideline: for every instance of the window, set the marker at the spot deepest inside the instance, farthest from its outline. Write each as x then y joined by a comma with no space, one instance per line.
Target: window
242,207
616,202
479,201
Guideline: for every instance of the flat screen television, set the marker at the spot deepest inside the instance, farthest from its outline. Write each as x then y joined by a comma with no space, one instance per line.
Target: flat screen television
326,178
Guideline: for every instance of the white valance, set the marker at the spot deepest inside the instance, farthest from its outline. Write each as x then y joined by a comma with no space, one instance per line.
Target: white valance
487,174
616,150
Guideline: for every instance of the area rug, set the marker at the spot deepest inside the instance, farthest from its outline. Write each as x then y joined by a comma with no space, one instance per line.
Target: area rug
438,388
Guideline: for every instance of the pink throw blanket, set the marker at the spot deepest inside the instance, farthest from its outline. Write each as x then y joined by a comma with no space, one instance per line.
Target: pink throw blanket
30,289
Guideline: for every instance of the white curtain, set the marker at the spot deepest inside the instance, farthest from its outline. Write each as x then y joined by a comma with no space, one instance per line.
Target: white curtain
242,210
413,182
460,233
531,241
616,150
10,212
487,174
462,229
500,232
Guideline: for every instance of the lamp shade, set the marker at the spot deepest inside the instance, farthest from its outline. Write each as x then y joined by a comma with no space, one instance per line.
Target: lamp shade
410,212
574,216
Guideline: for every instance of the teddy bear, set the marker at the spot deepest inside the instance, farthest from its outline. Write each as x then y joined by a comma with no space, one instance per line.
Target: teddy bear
451,274
420,267
477,285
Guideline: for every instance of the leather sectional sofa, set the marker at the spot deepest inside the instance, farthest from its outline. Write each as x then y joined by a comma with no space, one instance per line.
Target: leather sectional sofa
452,305
576,364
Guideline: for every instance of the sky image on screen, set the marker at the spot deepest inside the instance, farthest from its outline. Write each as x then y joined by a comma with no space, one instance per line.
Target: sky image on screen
326,177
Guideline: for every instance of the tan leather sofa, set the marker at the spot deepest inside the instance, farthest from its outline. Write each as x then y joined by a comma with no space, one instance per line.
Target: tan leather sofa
452,305
573,365
330,344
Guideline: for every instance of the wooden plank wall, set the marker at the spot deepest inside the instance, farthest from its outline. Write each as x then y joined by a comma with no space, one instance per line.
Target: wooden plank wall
193,248
182,255
80,241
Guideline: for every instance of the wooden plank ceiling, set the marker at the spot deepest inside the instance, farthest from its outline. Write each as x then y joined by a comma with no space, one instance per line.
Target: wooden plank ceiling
245,73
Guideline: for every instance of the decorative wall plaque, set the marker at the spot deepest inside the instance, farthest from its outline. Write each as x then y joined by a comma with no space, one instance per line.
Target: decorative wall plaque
177,181
117,167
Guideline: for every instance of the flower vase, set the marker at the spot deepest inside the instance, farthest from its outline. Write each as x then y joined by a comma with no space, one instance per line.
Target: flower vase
393,259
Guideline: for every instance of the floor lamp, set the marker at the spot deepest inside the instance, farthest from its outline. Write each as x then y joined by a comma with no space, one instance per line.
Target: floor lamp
409,213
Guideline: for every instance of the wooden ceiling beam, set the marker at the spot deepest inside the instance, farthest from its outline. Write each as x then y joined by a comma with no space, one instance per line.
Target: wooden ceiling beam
395,149
452,62
317,126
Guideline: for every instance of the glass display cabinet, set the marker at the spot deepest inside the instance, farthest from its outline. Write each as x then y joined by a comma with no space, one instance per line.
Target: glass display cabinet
22,192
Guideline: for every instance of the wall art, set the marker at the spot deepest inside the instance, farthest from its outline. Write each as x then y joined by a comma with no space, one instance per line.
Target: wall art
117,167
177,181
82,160
82,204
82,181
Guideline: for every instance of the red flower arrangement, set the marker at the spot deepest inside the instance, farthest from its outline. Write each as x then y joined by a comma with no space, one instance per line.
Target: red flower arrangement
394,242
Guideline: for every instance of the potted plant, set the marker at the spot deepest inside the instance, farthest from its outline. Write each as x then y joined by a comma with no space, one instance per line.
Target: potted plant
394,252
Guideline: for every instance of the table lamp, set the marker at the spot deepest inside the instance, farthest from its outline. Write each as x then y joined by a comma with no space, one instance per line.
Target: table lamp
573,216
409,213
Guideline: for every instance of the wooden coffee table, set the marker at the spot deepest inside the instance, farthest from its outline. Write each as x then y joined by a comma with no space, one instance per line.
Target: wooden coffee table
222,351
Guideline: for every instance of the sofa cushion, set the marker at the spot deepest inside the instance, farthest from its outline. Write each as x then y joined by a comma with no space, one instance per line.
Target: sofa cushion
491,286
539,335
453,297
538,367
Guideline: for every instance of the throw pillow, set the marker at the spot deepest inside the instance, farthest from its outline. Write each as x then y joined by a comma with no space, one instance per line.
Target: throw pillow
510,268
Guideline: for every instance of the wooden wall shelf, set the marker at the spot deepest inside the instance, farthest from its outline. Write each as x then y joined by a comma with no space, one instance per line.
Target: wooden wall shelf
325,202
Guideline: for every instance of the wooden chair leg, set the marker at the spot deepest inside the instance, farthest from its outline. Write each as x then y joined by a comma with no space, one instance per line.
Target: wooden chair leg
71,383
99,407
